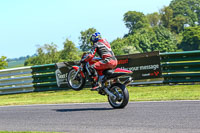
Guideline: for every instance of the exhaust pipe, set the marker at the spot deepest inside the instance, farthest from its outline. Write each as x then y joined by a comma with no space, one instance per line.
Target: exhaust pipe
127,81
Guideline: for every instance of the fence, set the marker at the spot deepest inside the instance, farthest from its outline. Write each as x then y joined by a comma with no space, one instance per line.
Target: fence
44,78
16,80
180,67
28,79
177,67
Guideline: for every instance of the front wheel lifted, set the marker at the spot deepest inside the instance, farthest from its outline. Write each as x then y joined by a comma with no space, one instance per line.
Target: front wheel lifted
76,83
121,96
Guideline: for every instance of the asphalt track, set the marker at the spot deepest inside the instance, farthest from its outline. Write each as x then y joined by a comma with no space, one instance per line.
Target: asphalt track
137,117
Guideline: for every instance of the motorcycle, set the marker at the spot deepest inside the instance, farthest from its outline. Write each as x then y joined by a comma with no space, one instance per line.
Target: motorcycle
110,85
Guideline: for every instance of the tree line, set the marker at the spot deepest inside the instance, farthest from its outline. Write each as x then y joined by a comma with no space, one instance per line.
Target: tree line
173,28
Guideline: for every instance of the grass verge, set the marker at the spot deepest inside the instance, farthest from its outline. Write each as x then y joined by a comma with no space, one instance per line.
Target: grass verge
150,93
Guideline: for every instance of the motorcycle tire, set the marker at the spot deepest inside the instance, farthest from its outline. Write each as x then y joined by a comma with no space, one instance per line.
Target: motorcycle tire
122,94
72,82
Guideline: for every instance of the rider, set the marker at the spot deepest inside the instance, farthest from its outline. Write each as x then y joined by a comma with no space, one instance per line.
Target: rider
103,49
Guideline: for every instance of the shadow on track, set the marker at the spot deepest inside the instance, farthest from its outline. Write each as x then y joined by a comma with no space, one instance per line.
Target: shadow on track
83,109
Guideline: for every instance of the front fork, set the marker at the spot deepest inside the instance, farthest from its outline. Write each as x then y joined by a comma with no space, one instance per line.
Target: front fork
87,68
76,74
78,69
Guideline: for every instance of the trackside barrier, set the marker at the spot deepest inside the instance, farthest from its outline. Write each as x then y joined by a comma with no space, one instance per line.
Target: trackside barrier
16,80
28,79
44,78
177,67
181,67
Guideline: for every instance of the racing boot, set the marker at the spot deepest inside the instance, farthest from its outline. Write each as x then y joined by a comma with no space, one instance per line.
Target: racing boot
95,84
94,75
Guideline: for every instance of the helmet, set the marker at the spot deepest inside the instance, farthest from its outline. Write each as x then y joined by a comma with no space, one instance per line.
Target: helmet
95,37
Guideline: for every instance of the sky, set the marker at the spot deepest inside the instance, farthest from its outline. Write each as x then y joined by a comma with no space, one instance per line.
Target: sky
27,24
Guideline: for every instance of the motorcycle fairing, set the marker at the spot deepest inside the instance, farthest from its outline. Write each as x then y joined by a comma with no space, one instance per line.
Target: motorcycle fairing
81,72
116,73
75,67
119,70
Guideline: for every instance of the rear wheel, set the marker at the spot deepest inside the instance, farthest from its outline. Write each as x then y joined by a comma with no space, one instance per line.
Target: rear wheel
76,83
122,96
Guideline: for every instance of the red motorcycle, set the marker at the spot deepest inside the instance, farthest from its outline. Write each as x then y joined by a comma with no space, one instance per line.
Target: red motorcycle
108,81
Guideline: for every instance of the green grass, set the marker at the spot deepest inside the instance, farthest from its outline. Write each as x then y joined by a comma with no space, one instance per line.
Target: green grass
163,93
151,93
13,64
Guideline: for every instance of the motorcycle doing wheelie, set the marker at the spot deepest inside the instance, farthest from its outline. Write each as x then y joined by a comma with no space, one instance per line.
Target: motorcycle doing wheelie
108,81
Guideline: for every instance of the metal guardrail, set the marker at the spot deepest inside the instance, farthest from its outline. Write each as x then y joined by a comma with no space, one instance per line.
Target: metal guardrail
181,67
16,80
15,71
28,79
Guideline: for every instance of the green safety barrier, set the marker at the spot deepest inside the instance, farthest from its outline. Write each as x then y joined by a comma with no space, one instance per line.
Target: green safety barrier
180,56
43,68
177,67
44,77
181,67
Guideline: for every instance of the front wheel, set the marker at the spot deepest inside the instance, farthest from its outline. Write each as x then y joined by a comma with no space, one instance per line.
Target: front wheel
122,96
76,83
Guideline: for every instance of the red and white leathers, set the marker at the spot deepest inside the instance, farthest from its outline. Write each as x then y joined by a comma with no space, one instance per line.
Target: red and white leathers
103,49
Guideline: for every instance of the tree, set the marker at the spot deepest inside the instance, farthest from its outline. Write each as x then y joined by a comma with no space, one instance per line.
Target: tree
46,54
129,50
116,45
85,39
190,9
165,40
124,46
154,19
70,52
191,39
178,24
135,21
143,39
166,17
3,62
51,53
149,39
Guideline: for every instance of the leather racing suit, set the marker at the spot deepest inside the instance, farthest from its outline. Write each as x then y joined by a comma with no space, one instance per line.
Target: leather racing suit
103,49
